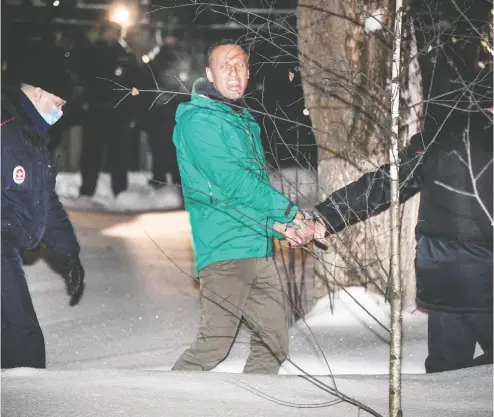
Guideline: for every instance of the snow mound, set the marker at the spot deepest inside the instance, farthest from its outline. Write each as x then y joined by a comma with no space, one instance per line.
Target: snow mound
373,23
101,393
342,308
140,196
354,306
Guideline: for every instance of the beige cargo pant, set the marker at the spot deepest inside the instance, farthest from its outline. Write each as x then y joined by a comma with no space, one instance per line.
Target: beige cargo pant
241,289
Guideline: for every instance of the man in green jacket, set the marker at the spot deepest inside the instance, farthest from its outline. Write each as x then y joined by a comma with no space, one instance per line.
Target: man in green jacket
234,214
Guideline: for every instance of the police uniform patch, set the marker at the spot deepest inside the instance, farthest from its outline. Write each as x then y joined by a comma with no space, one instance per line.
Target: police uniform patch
19,174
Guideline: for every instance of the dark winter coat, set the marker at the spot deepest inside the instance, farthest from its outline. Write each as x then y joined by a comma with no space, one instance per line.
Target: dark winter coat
454,233
31,211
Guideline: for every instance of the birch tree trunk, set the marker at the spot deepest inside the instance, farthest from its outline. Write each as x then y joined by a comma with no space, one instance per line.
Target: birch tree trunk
395,345
345,56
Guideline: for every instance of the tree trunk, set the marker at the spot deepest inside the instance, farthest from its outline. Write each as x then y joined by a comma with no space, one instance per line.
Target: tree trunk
345,68
395,279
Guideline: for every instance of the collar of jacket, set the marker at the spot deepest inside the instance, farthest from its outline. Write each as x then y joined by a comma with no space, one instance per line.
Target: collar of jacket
202,87
12,108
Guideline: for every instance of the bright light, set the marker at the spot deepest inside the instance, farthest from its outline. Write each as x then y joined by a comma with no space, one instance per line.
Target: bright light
120,15
56,3
183,76
145,59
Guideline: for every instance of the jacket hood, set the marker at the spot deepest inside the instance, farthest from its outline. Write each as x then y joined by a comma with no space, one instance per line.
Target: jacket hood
12,109
205,95
202,87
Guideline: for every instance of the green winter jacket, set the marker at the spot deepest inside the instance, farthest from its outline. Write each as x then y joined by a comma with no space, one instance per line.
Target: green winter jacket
231,204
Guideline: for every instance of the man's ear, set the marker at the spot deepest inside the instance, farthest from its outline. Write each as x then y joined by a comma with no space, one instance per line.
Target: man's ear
209,74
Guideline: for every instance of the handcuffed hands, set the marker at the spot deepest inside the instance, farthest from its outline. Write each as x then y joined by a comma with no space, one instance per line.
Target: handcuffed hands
306,227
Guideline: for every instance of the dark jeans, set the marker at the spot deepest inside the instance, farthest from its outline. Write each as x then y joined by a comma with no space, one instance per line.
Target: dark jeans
23,344
105,132
452,338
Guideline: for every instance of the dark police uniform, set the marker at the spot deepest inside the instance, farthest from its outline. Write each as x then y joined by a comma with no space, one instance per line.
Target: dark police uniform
31,215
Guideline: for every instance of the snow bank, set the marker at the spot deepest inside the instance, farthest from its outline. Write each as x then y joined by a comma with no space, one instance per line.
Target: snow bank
298,184
373,22
41,393
140,196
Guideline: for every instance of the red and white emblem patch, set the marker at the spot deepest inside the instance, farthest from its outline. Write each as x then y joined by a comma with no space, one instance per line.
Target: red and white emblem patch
19,174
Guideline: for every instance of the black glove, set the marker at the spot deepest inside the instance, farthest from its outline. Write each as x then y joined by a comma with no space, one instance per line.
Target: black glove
315,216
74,276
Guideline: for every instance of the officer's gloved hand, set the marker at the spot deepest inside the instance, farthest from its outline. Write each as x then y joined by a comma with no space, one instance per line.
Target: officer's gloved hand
74,276
321,233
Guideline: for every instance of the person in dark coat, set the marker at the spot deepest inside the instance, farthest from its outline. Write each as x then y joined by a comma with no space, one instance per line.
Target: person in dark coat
454,266
159,123
107,127
31,212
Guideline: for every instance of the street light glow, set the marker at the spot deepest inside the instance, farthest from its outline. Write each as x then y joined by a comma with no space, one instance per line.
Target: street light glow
56,3
145,59
120,15
183,76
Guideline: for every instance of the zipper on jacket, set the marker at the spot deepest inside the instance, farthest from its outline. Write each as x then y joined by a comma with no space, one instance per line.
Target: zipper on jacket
267,238
210,193
257,154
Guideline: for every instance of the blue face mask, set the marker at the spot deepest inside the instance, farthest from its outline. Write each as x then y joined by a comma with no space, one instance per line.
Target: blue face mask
53,115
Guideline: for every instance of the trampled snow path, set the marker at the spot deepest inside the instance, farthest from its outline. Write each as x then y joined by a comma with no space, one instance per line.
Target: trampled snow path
110,355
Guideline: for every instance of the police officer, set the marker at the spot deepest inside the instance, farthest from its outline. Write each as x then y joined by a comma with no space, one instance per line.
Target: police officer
454,263
108,123
31,212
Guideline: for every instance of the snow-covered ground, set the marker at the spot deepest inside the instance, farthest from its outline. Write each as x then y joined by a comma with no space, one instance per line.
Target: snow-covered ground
298,184
111,354
140,196
139,393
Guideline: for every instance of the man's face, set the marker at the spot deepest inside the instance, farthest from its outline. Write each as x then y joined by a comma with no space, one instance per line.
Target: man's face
229,71
44,101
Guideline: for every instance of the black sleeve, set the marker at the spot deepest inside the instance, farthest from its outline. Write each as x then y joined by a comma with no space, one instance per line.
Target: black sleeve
370,194
59,236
